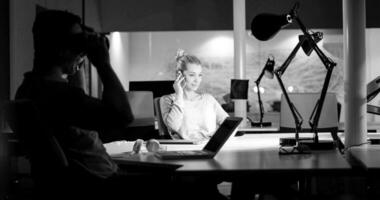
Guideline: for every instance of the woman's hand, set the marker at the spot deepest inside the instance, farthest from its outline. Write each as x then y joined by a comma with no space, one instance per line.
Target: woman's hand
179,84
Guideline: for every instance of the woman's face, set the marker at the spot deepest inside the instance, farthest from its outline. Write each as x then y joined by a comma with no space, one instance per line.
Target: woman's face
193,76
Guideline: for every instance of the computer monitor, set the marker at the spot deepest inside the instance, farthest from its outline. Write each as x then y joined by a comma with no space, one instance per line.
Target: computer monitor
159,88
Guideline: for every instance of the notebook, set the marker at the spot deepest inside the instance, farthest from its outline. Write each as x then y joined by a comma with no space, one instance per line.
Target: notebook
216,142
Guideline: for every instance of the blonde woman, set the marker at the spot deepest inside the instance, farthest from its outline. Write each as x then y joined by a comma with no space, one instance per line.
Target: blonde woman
192,115
188,113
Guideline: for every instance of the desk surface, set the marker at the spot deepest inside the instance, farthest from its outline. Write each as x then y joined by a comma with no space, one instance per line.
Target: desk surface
256,154
268,129
366,156
274,118
275,128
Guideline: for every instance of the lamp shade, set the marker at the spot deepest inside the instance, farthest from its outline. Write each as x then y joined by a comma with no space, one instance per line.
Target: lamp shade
265,26
268,69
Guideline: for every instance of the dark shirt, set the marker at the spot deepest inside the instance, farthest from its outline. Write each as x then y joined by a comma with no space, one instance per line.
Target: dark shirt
79,122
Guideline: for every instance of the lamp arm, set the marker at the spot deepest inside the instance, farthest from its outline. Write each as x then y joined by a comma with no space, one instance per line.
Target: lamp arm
315,115
259,96
298,120
281,70
325,60
329,65
373,109
260,102
260,77
373,89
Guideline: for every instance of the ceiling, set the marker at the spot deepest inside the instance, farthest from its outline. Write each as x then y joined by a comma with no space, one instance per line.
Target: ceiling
176,15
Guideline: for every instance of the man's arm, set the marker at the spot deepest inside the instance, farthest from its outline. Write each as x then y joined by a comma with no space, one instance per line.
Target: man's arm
113,95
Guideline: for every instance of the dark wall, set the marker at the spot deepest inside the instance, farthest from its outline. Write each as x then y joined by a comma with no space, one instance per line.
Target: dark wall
313,13
176,15
165,15
373,14
4,90
4,49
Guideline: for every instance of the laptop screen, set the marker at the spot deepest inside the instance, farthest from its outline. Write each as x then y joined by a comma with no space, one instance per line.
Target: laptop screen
225,130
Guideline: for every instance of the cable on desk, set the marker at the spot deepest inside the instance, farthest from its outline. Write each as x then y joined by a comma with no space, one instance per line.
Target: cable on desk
356,145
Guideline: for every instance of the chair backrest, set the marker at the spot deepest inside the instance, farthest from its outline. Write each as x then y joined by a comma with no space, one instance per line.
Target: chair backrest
53,176
141,103
305,102
162,129
42,148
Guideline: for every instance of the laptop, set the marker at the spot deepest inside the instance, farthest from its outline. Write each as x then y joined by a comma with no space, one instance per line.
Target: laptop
226,129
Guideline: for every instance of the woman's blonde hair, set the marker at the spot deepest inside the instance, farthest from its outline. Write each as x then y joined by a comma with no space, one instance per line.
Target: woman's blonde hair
182,59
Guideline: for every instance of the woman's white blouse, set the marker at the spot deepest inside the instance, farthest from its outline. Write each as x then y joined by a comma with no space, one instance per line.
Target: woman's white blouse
192,120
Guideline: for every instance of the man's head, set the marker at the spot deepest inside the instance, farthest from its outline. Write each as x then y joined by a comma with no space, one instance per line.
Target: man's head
58,40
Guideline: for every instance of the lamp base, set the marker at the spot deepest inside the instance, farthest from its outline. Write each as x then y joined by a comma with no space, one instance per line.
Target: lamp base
262,124
320,145
374,140
309,143
300,149
291,141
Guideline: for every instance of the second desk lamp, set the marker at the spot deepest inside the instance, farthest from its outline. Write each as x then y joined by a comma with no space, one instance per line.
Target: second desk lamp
267,71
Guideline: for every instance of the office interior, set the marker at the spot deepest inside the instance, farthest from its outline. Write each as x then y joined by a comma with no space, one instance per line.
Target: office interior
144,36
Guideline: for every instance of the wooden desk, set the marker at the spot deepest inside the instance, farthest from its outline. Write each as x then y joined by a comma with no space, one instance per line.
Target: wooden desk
365,157
275,128
258,154
255,155
273,117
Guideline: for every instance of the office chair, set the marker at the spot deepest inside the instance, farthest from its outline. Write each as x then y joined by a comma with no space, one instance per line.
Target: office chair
143,125
42,149
162,128
305,102
52,175
141,103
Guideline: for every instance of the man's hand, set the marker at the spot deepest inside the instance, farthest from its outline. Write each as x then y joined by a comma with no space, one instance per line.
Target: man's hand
97,49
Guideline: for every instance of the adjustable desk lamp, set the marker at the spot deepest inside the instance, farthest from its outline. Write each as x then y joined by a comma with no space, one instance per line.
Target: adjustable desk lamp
373,89
298,120
264,27
268,72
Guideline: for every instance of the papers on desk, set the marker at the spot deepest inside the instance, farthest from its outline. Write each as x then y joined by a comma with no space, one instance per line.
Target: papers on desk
260,129
121,153
142,161
123,146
